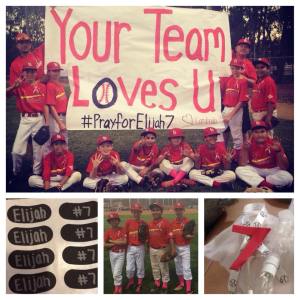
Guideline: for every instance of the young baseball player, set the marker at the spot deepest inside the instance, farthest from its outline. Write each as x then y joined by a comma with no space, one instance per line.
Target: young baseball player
142,159
159,243
235,95
212,155
176,159
135,249
58,168
263,162
183,251
104,169
115,240
27,55
264,94
30,97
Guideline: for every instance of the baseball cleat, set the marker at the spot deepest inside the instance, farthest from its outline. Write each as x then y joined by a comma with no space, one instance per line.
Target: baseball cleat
188,182
138,289
166,184
178,288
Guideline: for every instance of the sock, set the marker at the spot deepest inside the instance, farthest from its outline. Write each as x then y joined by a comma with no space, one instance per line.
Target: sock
179,176
131,280
157,283
165,285
120,289
181,280
140,281
216,183
266,184
173,173
188,285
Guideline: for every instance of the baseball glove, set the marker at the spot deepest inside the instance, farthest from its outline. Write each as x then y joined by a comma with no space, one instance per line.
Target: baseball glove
212,172
189,228
167,256
42,136
143,232
258,190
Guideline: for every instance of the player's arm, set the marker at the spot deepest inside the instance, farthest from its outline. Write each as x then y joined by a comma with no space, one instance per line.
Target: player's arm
281,159
14,85
244,154
119,242
46,115
60,123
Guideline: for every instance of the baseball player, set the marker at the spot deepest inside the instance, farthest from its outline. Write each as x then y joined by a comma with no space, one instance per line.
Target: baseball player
212,155
182,245
159,243
135,249
235,95
115,240
264,94
175,159
263,162
58,168
104,169
142,159
27,55
30,100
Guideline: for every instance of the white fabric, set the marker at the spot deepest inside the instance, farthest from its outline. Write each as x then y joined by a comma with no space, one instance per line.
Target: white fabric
117,260
166,166
183,262
114,179
135,261
227,176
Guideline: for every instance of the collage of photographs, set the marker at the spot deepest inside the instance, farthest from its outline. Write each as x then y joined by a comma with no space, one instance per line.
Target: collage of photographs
149,150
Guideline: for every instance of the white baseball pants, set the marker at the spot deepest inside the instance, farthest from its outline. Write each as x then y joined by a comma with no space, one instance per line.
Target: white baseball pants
183,262
227,176
135,261
166,166
114,179
117,260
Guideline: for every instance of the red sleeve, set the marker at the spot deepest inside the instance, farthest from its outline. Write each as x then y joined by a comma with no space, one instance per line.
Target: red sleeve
70,164
188,147
250,71
116,155
39,51
243,96
47,167
223,82
50,94
271,91
12,74
155,153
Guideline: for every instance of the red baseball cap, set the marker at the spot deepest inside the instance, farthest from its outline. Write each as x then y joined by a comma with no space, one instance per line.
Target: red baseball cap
57,137
244,41
155,204
112,215
210,131
257,124
178,205
136,206
236,62
52,66
175,132
148,130
103,139
263,61
22,37
29,66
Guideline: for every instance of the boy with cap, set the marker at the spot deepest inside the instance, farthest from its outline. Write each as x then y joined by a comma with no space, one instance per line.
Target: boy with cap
30,100
175,159
115,240
104,169
136,249
142,159
183,250
263,162
58,168
212,158
160,242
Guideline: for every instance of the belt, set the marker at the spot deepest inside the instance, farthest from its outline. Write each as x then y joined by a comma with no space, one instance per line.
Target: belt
118,251
159,247
31,114
177,163
62,114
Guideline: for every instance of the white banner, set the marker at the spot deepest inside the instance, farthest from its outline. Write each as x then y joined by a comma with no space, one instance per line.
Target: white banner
137,67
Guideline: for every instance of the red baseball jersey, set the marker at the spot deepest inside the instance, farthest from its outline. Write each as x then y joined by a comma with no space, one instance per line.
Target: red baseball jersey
211,158
262,156
264,92
105,167
114,234
175,153
58,165
159,233
143,156
56,96
131,228
177,231
36,57
30,97
234,90
248,68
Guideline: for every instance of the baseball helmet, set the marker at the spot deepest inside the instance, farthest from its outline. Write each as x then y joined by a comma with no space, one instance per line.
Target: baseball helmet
52,66
178,205
258,124
210,131
57,137
103,139
22,37
244,41
112,215
148,130
236,62
175,132
263,61
136,206
156,204
29,66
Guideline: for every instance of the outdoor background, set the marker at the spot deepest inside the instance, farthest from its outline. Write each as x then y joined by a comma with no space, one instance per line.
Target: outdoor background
271,29
123,207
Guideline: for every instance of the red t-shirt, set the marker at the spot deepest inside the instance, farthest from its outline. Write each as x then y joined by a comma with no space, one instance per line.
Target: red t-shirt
175,153
105,167
264,92
159,233
36,57
143,156
233,90
56,96
30,97
262,156
58,165
248,69
115,234
211,158
177,231
131,228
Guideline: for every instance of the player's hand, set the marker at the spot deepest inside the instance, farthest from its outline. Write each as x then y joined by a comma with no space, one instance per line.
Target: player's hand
144,171
226,119
62,127
97,160
229,154
247,141
276,145
187,152
18,82
46,185
115,161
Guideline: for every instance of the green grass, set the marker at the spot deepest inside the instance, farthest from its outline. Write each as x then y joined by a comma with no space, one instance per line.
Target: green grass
148,280
83,144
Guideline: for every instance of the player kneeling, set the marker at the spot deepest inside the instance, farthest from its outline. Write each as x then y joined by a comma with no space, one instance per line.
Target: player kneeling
115,241
263,163
212,161
58,168
104,169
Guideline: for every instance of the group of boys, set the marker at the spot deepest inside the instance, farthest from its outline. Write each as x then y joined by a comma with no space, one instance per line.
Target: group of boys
164,236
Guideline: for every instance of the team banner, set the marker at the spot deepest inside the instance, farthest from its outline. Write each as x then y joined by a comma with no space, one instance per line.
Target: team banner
137,67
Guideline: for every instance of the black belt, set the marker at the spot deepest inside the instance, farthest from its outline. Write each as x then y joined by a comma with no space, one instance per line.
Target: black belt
31,114
62,114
